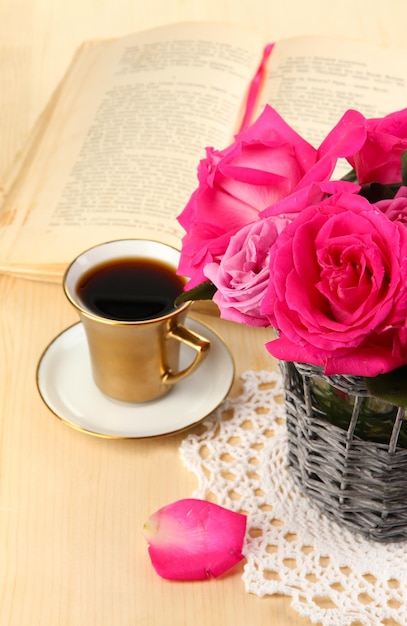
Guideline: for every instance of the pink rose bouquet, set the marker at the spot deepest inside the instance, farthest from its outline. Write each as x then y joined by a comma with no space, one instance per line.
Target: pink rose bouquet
276,240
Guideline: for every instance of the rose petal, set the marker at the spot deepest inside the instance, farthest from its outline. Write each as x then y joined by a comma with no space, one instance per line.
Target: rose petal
194,539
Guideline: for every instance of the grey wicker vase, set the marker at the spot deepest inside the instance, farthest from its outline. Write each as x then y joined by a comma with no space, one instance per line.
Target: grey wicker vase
347,451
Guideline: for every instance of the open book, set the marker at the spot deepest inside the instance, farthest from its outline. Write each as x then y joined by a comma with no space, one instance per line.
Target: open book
115,153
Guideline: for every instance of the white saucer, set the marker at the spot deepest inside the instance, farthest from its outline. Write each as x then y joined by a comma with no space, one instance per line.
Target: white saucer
66,385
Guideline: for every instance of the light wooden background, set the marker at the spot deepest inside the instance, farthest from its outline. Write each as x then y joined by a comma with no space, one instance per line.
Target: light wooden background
71,506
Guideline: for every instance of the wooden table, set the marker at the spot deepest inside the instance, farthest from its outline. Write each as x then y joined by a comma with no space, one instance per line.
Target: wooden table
72,506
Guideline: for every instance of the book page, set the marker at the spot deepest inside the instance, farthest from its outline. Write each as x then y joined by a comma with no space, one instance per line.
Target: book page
312,81
116,153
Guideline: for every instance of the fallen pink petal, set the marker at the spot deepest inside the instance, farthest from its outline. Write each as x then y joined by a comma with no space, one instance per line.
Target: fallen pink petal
194,539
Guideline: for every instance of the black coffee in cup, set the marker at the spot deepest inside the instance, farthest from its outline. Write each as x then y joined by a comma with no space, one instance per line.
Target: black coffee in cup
130,289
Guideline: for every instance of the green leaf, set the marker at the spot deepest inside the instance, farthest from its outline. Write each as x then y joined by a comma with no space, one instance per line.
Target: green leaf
404,167
391,387
374,192
204,291
350,177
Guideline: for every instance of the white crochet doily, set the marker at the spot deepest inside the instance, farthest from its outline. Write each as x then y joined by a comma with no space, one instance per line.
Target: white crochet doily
334,577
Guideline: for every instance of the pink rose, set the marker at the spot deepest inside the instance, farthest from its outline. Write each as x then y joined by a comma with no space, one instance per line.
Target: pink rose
338,289
379,158
396,208
242,275
265,163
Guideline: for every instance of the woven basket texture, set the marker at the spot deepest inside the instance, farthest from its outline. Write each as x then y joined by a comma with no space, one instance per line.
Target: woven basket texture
350,461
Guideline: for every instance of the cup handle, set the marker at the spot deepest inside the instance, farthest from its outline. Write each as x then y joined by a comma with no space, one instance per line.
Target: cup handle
193,340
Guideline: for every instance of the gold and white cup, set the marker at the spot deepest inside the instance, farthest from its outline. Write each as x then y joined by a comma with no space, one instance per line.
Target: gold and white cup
133,360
